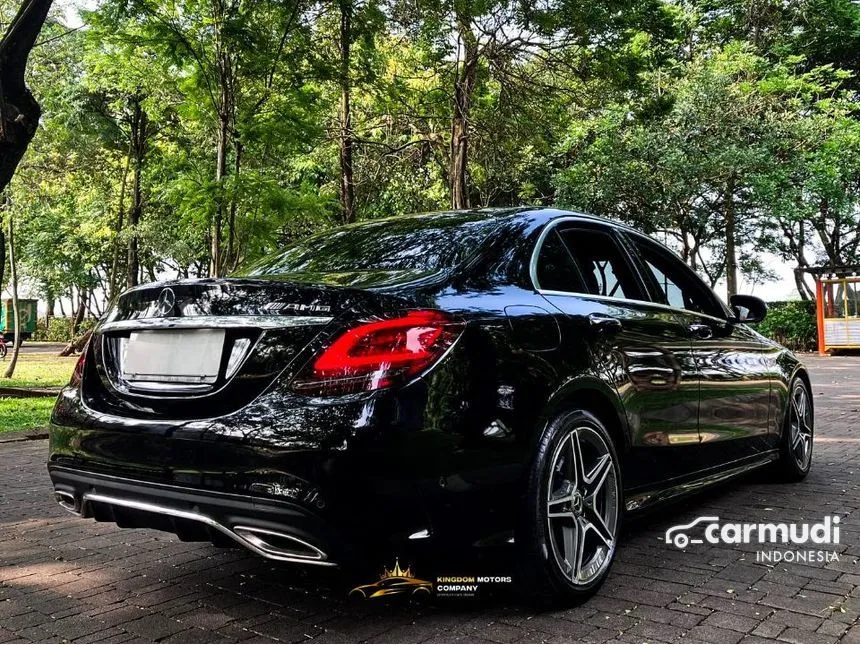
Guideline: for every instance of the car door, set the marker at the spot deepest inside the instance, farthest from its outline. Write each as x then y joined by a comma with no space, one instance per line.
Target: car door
641,349
733,363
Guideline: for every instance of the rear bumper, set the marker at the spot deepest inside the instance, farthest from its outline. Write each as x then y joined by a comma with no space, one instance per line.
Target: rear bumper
275,530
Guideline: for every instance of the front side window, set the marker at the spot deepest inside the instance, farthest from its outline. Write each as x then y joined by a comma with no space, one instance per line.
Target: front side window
677,285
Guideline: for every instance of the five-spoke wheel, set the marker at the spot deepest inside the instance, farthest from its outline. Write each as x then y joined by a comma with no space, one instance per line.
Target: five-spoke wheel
800,426
569,531
582,505
796,448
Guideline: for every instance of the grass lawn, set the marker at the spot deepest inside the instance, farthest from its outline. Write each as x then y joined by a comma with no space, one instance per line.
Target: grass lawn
38,370
25,414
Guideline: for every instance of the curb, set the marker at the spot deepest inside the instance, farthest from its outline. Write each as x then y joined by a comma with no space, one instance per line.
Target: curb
18,437
28,392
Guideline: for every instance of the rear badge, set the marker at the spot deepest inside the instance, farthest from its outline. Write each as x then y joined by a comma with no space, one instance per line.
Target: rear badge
165,303
283,307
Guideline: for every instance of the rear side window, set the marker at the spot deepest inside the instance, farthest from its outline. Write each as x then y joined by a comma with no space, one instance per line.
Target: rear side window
604,267
556,269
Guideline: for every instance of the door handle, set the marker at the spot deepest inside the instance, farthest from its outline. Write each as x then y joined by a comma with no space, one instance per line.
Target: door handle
701,331
604,324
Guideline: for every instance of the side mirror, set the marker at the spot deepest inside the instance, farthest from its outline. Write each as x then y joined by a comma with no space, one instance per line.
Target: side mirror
748,309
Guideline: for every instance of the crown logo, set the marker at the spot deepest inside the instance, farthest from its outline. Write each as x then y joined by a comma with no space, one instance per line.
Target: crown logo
396,572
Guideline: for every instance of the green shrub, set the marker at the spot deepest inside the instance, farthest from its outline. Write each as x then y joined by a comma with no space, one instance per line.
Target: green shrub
59,330
791,323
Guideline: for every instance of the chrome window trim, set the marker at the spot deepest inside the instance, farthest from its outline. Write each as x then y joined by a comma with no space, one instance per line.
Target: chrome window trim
628,301
612,299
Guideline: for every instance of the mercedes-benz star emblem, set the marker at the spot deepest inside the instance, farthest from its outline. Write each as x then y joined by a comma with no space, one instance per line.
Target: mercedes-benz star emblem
166,301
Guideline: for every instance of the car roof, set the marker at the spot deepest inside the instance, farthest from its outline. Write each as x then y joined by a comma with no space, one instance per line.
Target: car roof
545,215
534,215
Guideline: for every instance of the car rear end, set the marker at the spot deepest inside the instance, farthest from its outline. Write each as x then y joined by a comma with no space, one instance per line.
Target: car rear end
270,410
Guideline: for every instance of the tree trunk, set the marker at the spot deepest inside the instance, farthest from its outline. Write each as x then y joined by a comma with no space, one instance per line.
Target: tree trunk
347,181
828,241
19,111
120,220
233,254
803,290
2,258
220,174
13,269
80,313
464,88
226,117
731,238
76,345
138,140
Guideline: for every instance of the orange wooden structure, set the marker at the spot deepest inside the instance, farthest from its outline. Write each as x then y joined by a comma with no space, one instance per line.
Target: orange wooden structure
837,305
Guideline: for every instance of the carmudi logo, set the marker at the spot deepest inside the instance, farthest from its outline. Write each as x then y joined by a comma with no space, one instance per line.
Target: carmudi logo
710,530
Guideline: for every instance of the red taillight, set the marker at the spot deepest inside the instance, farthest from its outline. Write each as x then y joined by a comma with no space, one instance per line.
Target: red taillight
78,372
380,354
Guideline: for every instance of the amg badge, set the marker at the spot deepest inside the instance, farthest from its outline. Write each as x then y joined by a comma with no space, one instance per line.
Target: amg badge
284,307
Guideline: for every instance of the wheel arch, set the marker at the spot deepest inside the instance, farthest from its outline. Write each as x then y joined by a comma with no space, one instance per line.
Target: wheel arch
596,397
801,373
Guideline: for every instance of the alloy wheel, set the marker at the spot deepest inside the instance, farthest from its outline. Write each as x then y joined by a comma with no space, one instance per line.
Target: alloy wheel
800,427
583,505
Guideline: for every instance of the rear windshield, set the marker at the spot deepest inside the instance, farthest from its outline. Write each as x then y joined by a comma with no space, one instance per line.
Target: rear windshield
424,243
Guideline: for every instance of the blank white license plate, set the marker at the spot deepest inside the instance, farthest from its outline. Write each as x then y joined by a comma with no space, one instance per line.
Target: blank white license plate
185,356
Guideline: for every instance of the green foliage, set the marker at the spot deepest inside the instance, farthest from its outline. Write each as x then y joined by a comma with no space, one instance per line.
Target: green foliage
19,415
59,330
661,114
791,323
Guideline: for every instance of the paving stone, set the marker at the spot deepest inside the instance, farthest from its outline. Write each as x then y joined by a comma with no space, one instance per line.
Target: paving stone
795,635
731,621
711,634
65,578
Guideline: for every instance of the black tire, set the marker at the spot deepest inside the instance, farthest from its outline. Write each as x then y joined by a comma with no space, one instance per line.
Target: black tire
3,351
544,574
795,448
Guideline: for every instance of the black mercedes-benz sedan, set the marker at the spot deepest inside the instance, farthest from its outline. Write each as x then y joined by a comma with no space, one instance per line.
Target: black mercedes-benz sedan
522,377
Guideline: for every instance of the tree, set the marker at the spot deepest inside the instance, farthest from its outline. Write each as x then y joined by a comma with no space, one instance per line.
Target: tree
13,265
19,110
691,171
547,48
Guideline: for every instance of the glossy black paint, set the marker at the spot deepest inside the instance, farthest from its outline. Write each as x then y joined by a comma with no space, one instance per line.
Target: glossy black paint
691,398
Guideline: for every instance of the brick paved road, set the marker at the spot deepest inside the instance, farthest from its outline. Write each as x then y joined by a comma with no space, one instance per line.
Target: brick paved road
63,578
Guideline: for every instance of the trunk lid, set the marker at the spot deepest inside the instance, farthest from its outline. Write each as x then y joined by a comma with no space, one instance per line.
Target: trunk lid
198,349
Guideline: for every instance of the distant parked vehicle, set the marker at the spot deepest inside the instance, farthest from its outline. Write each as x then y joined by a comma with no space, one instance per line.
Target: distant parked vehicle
27,312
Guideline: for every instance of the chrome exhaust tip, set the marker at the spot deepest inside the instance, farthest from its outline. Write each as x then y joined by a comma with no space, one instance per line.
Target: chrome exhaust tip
280,545
267,543
67,501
